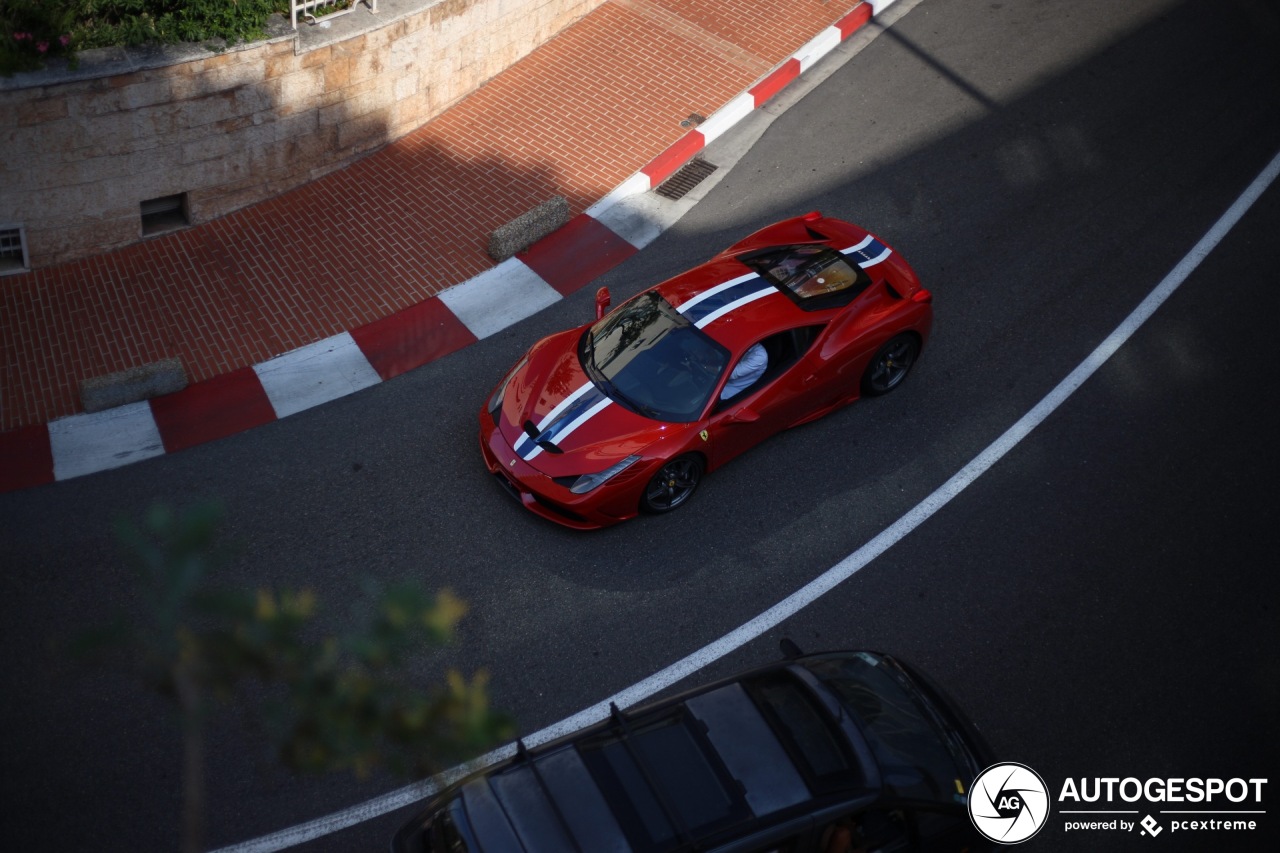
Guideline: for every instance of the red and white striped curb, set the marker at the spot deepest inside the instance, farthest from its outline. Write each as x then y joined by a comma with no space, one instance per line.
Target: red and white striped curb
608,233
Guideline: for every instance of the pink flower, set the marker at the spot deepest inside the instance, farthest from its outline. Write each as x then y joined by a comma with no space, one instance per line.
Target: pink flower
21,36
64,40
42,46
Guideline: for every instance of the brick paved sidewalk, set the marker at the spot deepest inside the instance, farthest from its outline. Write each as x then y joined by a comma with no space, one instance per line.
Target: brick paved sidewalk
576,118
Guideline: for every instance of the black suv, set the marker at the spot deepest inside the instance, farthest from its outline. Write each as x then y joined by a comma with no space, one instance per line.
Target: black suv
844,751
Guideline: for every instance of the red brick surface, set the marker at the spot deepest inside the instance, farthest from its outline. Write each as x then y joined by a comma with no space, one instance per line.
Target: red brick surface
766,28
576,118
576,254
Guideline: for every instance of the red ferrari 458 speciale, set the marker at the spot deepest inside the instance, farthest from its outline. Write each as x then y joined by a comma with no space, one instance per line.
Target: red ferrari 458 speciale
624,415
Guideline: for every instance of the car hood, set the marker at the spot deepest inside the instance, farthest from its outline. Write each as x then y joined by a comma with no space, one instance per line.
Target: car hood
578,429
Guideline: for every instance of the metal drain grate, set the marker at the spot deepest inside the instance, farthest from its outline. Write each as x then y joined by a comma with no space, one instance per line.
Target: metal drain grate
689,176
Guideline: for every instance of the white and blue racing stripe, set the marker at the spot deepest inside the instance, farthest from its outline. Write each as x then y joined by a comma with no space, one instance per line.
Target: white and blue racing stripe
572,412
868,253
717,301
524,442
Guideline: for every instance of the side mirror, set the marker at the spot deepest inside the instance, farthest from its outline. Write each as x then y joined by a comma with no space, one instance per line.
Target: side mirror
744,416
603,301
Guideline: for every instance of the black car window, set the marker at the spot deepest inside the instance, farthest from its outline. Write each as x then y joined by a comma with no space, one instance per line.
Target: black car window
580,803
442,835
533,815
649,358
805,729
663,781
750,749
487,820
916,757
814,276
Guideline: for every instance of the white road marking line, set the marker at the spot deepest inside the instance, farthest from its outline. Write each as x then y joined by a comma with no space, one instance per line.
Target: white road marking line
816,588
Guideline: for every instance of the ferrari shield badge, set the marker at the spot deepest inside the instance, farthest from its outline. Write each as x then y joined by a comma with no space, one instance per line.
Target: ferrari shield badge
704,435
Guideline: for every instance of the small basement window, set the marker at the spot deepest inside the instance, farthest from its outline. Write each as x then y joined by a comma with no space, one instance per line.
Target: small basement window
164,214
13,250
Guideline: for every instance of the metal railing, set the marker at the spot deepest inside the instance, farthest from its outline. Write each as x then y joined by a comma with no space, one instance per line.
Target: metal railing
315,11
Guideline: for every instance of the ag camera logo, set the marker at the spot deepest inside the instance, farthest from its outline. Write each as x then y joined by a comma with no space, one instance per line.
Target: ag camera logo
1008,803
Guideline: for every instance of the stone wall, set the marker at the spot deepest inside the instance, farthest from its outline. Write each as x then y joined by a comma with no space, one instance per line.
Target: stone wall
81,149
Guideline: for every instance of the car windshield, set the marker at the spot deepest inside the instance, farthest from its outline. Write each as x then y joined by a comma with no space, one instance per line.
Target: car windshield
918,758
650,359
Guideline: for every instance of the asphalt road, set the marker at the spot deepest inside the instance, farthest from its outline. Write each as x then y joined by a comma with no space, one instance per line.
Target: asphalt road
1102,601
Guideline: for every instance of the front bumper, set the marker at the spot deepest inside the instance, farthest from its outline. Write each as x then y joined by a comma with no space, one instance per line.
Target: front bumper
607,505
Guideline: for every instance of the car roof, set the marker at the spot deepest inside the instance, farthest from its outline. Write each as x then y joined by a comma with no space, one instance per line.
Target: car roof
712,295
732,302
665,778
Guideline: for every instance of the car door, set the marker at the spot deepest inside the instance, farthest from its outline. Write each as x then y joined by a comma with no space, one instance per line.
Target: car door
777,400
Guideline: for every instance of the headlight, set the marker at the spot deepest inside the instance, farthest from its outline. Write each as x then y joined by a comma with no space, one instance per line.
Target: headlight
587,482
495,401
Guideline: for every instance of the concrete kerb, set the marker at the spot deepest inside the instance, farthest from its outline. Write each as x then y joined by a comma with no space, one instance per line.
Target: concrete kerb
133,385
485,304
528,228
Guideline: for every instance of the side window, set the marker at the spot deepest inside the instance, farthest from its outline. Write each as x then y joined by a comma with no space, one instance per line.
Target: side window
765,361
443,837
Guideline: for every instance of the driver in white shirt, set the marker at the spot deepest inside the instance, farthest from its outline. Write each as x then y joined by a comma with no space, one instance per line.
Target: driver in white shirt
746,372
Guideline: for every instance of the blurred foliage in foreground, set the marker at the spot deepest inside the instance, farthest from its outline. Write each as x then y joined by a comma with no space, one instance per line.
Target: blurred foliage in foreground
330,702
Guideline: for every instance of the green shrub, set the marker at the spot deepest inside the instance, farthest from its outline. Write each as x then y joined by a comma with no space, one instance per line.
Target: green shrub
134,22
34,30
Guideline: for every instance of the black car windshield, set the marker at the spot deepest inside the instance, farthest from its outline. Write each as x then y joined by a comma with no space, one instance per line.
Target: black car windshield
918,757
647,357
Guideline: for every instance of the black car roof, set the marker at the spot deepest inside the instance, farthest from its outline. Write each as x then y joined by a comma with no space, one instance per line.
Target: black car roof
668,777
